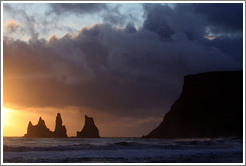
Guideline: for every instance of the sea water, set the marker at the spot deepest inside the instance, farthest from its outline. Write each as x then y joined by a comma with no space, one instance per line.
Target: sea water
122,150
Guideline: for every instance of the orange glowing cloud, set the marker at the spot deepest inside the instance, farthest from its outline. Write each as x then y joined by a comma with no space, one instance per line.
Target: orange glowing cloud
12,25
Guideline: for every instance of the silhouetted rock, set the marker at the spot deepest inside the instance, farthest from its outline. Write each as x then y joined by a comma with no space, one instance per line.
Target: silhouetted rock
60,130
89,130
38,131
210,105
41,131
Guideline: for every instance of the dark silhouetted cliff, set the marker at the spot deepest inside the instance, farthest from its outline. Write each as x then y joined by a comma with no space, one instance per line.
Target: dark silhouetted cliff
210,105
41,131
89,130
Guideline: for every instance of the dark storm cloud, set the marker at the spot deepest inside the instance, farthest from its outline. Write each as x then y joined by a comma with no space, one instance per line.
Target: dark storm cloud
166,21
80,72
225,20
77,8
121,71
195,21
223,17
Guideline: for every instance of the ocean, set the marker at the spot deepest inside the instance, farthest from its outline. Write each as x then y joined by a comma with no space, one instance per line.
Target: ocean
122,150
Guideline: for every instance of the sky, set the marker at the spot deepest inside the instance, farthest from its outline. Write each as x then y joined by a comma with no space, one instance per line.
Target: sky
121,63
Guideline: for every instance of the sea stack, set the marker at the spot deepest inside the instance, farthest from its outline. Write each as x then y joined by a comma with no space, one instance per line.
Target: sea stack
38,131
89,130
60,130
210,105
41,131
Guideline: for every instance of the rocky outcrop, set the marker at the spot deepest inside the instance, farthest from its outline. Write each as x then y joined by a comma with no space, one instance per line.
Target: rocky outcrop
89,130
38,131
210,105
41,131
60,130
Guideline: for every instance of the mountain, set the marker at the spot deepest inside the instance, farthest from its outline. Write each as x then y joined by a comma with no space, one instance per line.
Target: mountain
89,130
41,131
210,105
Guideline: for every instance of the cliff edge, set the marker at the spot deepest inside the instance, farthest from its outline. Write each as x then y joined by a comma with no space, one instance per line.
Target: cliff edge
210,105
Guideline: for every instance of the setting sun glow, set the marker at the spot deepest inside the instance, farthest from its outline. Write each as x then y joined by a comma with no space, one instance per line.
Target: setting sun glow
14,122
6,113
7,117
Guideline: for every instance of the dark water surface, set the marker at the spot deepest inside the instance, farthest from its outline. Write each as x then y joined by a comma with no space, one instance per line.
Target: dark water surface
122,150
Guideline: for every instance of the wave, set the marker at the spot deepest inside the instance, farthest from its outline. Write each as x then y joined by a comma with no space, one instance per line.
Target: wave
122,150
112,144
115,146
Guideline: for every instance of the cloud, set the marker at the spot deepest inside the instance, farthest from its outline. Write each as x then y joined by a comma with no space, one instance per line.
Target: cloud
195,20
166,21
76,8
33,25
223,18
108,13
198,21
59,16
27,21
120,71
12,25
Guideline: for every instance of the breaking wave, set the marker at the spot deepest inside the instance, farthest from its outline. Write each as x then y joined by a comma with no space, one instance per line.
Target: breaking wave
19,150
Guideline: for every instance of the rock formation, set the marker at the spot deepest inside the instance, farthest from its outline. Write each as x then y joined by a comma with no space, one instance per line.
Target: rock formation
89,130
41,131
60,130
38,131
210,105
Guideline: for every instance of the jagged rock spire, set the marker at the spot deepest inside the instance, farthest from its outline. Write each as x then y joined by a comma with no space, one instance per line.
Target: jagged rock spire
60,131
30,124
58,120
30,127
41,121
89,130
41,131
